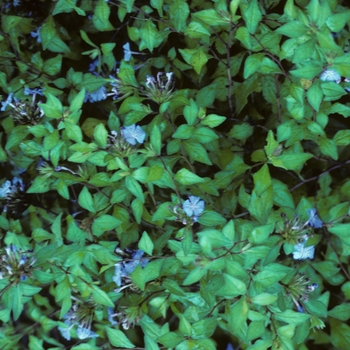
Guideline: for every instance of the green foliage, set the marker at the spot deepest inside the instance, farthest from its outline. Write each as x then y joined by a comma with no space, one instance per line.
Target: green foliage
174,174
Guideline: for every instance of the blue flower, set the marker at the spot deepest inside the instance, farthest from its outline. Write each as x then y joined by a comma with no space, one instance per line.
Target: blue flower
5,189
8,101
314,220
330,75
193,206
35,91
96,96
301,252
133,134
111,315
127,52
125,269
94,64
36,34
85,332
230,347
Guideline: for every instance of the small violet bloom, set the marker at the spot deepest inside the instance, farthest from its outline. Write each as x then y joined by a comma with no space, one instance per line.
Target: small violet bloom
193,206
36,34
301,252
133,134
314,220
229,347
330,75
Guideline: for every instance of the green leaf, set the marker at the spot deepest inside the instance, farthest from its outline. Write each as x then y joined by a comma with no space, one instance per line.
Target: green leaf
197,152
252,16
328,148
197,58
118,338
191,112
232,287
293,29
213,120
261,233
292,317
101,297
186,177
196,30
104,223
342,138
340,334
211,218
315,95
156,139
16,299
146,244
73,131
135,188
148,34
53,107
210,17
100,18
85,200
332,91
179,12
252,64
50,38
171,339
100,135
77,101
264,299
52,66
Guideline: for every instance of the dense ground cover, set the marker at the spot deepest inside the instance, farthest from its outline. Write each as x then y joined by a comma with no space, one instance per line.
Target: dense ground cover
174,174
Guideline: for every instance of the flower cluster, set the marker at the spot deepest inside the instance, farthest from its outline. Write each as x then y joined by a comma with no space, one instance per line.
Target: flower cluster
15,196
159,89
295,232
16,263
298,289
330,75
124,269
302,252
80,315
24,112
122,145
190,210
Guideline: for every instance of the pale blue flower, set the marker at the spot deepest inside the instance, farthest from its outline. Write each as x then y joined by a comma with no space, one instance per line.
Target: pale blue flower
8,101
126,268
35,91
36,34
94,64
301,252
330,75
117,278
96,96
230,347
127,52
65,331
111,315
5,189
133,134
85,332
314,220
193,206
